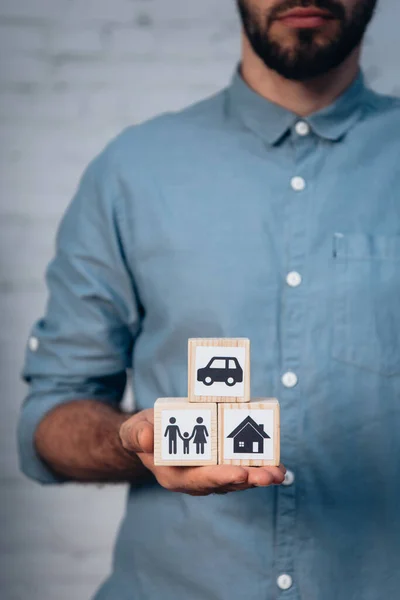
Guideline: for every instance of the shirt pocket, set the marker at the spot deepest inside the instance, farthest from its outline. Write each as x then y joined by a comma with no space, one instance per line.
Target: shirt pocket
366,301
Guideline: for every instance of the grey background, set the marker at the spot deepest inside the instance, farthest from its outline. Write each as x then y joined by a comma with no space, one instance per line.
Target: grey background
73,73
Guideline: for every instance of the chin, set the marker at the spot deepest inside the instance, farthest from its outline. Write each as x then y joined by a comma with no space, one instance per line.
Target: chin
290,38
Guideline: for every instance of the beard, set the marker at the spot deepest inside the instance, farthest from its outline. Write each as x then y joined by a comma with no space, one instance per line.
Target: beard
302,54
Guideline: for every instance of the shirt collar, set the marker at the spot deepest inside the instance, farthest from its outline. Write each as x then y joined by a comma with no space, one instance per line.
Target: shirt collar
271,121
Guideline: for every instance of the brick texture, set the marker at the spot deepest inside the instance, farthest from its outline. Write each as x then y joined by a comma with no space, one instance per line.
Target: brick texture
73,73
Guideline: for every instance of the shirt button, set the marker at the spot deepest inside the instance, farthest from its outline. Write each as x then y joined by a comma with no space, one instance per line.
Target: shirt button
284,581
298,184
289,379
33,343
289,478
293,279
302,128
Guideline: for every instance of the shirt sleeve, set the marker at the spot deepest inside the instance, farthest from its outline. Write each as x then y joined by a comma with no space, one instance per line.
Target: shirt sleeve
82,347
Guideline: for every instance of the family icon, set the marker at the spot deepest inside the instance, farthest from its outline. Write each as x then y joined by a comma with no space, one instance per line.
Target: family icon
199,436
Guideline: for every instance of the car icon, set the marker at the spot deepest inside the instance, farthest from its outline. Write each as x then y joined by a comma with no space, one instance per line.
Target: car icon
225,369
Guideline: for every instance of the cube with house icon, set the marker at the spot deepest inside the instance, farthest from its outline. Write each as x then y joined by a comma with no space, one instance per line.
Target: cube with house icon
249,433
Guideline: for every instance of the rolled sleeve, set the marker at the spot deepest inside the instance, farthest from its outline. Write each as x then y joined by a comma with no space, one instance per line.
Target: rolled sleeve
82,347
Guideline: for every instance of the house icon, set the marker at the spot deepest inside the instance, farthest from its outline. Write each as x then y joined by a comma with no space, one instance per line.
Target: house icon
248,437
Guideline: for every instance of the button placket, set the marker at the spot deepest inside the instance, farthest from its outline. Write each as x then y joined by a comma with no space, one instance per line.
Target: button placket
292,328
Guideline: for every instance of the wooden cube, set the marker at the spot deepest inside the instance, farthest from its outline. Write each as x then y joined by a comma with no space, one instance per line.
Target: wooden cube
185,434
219,370
249,434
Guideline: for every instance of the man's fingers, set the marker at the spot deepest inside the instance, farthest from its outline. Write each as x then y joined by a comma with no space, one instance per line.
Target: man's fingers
233,488
137,433
198,480
258,477
145,437
213,479
264,476
210,478
144,415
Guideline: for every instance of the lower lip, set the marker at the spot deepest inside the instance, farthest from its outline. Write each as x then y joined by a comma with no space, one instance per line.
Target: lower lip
304,22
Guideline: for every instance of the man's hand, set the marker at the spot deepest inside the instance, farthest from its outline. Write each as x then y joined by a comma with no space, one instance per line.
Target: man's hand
137,437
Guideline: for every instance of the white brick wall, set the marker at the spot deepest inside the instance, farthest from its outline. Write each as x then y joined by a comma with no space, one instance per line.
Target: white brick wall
72,74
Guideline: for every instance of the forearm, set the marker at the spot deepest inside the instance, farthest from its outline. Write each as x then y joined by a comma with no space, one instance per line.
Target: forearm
80,440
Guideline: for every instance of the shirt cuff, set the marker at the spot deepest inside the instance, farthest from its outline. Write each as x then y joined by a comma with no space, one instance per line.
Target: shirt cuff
30,462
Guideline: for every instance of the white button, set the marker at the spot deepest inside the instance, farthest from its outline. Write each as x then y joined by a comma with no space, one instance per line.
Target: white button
298,184
302,128
293,279
289,379
289,478
33,344
284,581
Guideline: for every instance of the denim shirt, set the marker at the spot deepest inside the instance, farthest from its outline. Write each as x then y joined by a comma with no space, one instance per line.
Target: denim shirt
235,218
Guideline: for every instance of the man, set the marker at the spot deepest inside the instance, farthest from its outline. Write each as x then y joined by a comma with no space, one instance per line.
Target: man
270,211
171,433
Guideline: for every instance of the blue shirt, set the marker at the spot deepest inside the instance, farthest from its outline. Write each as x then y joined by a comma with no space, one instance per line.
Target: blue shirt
229,219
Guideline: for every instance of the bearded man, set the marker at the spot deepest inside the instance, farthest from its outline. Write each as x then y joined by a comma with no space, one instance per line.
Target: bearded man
268,211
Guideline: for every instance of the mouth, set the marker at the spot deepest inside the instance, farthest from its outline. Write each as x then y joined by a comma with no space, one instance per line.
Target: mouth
305,18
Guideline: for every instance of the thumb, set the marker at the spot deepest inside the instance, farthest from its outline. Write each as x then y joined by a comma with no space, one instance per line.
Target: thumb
137,435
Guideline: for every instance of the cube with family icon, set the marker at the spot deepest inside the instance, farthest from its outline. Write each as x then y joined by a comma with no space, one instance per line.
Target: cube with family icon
185,433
